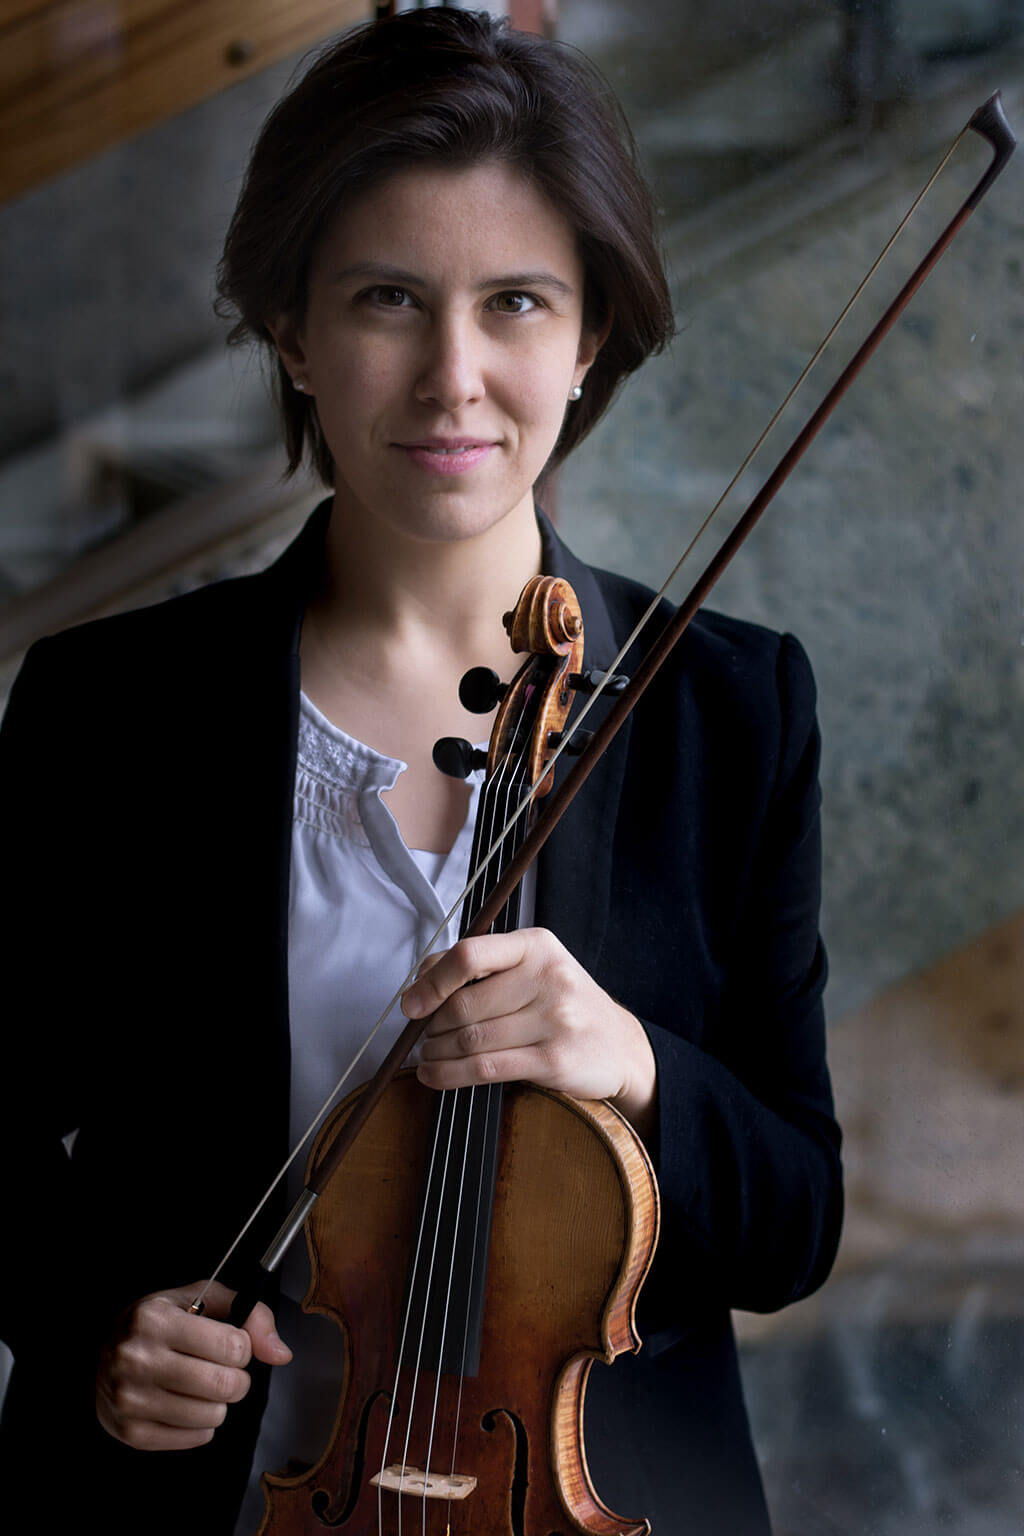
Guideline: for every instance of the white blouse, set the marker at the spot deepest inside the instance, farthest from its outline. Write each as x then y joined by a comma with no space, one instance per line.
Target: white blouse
362,907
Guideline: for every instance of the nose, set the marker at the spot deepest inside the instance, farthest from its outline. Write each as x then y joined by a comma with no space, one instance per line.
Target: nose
452,367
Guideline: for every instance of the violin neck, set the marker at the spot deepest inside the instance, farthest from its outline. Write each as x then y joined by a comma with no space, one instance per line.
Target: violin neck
498,800
447,1276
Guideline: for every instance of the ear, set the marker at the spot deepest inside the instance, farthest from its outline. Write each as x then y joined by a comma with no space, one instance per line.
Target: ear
288,340
591,342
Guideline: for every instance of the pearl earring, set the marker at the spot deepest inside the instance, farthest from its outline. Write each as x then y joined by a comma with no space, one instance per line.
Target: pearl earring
577,391
298,384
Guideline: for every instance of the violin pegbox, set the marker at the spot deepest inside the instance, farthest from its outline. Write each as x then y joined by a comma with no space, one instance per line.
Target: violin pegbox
547,623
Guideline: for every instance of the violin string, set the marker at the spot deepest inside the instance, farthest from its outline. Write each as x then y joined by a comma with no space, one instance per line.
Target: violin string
476,874
404,1332
494,801
488,1107
447,1305
446,1103
495,793
419,1346
505,920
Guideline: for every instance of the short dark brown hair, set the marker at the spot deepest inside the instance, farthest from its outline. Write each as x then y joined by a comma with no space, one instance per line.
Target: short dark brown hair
455,87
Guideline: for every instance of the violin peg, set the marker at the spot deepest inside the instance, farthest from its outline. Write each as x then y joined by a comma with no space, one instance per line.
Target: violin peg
576,744
480,689
457,757
589,682
570,623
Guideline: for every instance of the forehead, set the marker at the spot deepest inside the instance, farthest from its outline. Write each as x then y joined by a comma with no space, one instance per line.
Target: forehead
470,222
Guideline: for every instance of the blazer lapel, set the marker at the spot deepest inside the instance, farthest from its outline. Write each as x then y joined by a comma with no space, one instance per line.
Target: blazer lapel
574,869
267,699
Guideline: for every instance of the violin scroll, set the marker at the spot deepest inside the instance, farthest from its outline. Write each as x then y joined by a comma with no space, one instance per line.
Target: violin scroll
546,618
547,622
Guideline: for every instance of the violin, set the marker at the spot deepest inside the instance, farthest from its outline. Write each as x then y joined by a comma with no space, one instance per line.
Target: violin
480,1247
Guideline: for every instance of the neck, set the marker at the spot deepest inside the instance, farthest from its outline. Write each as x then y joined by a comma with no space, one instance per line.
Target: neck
387,589
395,626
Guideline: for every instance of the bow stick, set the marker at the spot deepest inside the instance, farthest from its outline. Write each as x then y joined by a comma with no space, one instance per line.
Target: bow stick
990,122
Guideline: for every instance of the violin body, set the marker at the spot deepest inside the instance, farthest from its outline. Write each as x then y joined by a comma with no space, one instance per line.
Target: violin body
574,1227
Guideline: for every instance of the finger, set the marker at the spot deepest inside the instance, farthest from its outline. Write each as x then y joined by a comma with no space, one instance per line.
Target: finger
469,960
144,1434
221,1341
529,1064
139,1389
145,1364
258,1336
175,1410
160,1437
189,1376
162,1320
267,1344
498,1013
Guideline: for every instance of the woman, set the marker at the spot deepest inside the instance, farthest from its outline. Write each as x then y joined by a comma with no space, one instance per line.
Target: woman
444,240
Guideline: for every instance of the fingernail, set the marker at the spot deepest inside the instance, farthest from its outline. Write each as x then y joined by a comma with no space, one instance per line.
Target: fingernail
411,1005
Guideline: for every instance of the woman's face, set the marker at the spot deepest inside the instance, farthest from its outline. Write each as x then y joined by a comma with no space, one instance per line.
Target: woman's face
442,339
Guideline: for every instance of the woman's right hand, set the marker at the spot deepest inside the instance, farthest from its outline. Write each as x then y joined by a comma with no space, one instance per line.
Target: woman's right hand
166,1377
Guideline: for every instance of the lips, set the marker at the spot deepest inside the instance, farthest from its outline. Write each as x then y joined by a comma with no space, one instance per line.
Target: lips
448,444
447,455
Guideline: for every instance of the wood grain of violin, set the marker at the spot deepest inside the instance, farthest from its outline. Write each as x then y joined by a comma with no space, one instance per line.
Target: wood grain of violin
573,1233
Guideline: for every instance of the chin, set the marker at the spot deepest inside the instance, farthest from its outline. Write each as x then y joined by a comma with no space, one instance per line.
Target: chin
454,517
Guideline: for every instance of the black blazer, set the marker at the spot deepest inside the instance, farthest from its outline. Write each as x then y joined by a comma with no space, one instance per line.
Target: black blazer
147,765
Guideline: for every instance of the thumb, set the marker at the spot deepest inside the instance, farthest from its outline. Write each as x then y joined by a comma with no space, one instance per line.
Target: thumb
267,1345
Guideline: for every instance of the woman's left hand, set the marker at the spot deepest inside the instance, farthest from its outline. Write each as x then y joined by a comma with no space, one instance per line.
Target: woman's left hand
533,1014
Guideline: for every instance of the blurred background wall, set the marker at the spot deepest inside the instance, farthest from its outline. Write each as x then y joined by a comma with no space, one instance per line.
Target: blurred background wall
785,139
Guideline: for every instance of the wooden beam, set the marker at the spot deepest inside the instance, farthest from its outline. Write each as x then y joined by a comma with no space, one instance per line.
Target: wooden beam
80,75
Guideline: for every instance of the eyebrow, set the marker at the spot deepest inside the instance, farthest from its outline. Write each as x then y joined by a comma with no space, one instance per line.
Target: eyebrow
397,275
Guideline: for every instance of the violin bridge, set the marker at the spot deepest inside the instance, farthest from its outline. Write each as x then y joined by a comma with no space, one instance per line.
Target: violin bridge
425,1485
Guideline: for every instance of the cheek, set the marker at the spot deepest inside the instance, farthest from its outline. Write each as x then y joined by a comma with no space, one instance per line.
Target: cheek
361,372
553,376
547,406
357,387
539,390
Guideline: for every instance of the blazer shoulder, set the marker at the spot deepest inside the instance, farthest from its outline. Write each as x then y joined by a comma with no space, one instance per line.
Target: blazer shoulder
166,638
259,612
717,650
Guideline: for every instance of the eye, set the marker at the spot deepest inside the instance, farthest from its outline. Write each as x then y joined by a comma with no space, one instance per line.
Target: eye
387,296
514,303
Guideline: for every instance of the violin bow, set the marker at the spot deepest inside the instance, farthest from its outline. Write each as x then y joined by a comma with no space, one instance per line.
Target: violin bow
990,122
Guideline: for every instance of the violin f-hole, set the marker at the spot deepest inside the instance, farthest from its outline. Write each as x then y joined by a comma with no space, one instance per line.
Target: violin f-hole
322,1498
521,1469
